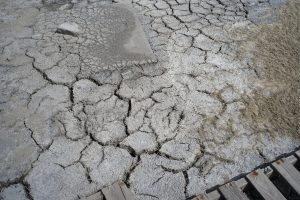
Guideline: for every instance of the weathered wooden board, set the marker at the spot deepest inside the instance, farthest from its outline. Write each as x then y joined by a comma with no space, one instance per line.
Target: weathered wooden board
233,192
113,192
201,197
264,186
117,191
214,195
241,183
289,173
261,182
298,154
126,192
291,159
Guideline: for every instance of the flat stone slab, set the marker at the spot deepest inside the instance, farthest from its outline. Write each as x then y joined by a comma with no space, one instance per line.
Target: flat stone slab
105,36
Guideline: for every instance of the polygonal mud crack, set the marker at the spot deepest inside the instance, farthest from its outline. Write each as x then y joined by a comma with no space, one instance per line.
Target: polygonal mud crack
107,36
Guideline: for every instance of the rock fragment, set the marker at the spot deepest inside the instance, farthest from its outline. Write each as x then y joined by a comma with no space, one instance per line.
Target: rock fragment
68,28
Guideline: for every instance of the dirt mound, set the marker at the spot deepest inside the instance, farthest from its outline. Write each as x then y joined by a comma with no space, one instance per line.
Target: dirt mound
276,101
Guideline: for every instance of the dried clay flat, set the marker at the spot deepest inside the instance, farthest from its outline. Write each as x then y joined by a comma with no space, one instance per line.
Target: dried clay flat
105,36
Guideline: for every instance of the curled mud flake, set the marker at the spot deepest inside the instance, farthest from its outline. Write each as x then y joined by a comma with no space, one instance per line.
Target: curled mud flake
68,28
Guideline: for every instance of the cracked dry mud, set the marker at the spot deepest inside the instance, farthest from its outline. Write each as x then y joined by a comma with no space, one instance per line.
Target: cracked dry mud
213,106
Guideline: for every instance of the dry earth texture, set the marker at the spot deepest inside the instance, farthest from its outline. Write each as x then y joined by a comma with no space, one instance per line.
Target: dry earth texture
277,63
222,99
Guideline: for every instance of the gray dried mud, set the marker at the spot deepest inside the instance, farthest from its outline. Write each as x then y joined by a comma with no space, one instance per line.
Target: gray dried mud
223,98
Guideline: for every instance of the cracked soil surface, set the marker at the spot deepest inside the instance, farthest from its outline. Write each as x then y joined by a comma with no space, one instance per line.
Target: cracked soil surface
222,99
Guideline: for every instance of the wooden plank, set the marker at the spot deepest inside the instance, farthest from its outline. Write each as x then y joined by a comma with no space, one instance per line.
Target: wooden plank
232,192
113,192
298,153
118,191
291,159
126,192
264,186
214,195
241,183
289,173
201,197
96,196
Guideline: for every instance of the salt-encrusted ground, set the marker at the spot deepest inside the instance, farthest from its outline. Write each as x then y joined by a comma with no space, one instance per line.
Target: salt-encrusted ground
169,130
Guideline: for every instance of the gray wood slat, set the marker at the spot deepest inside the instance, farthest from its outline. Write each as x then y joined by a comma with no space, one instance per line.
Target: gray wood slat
289,173
113,192
214,195
118,191
291,159
232,192
126,192
201,197
241,183
298,153
264,186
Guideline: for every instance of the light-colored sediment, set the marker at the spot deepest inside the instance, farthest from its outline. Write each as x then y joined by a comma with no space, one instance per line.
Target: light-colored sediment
223,99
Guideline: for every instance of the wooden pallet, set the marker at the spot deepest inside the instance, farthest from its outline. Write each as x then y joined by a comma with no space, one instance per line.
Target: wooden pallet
259,180
118,191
